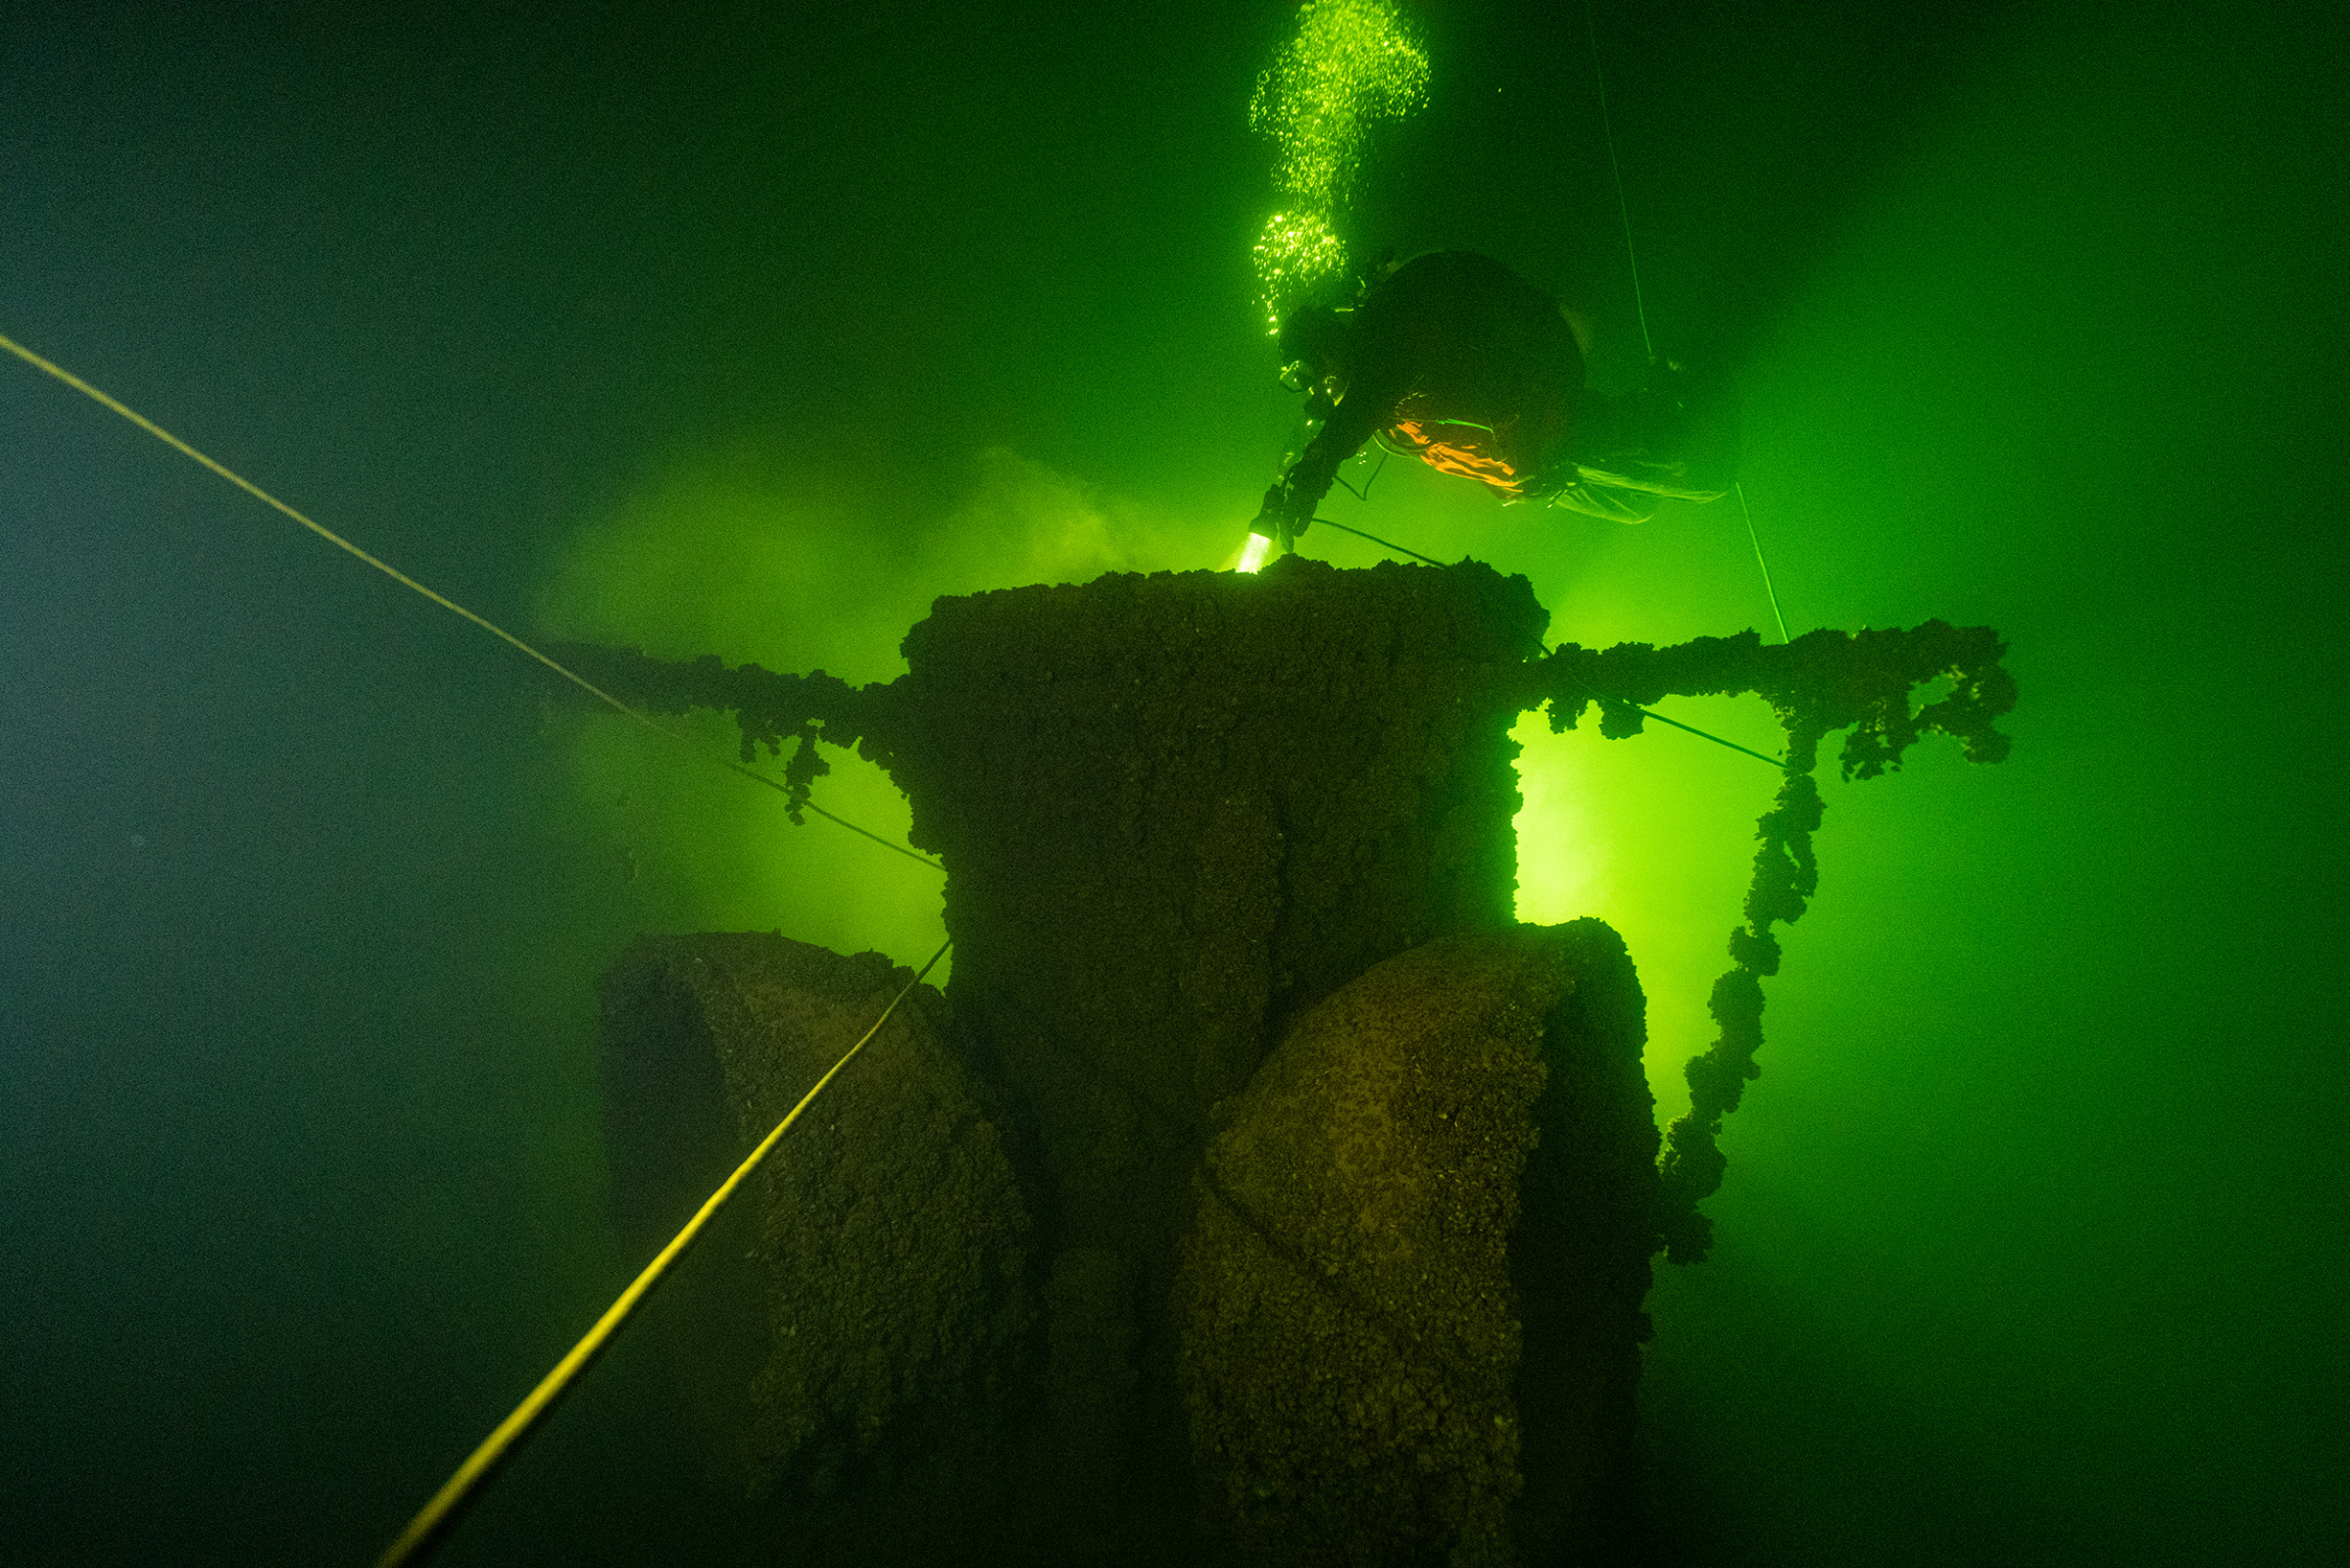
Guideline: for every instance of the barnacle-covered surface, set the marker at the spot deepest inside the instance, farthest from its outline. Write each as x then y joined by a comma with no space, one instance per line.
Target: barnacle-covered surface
1823,681
1412,1297
1179,812
771,709
862,1316
1175,811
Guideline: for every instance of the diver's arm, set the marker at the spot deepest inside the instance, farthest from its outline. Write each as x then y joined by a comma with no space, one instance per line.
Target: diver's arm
1311,477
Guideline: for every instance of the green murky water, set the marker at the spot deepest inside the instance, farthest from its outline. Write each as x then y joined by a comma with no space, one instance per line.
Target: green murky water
752,333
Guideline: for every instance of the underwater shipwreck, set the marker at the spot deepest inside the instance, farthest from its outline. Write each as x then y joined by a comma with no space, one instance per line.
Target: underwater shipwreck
1258,1191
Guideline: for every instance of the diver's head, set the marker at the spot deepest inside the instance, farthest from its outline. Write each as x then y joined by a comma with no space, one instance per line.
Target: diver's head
1314,336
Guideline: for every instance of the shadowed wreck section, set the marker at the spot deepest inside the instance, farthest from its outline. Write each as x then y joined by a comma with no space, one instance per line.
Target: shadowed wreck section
1410,1298
1175,811
1318,1198
855,1327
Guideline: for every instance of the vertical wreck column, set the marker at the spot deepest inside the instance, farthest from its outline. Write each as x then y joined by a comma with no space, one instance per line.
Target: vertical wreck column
1175,811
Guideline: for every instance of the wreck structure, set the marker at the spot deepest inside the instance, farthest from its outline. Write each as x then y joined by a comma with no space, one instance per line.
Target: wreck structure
1258,1191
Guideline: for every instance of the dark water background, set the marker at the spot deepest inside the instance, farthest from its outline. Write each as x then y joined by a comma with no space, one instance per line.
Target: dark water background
2030,1249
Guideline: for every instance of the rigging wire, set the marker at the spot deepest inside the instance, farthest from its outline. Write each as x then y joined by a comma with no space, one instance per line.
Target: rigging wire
1747,512
1645,713
1639,304
433,1520
450,605
1607,125
1364,494
436,1518
1383,544
1642,712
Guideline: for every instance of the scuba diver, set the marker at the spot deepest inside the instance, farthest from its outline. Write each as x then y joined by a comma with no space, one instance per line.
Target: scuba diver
1455,360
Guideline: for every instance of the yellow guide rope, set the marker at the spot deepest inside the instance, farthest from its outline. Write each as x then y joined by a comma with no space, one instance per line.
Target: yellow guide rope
399,577
437,1515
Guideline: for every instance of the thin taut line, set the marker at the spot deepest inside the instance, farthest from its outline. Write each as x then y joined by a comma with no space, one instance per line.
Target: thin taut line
1749,512
114,405
1639,303
1624,208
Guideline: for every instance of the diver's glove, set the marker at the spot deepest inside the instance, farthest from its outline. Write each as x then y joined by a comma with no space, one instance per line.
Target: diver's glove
1276,520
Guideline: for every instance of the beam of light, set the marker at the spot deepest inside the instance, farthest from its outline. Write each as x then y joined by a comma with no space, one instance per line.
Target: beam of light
1253,553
